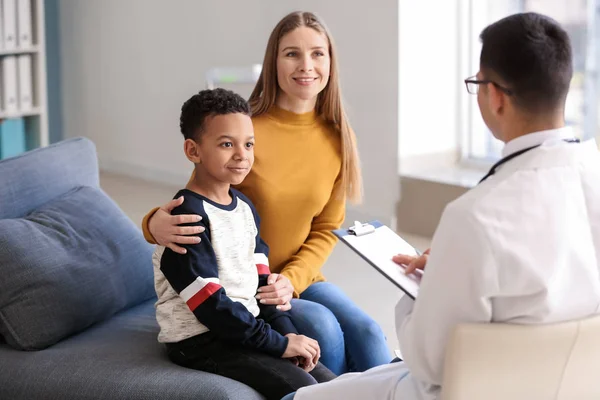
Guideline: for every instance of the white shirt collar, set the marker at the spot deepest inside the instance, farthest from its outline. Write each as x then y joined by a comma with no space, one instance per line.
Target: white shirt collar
537,138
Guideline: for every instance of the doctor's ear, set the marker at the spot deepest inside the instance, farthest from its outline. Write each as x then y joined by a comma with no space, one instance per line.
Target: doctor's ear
192,151
497,99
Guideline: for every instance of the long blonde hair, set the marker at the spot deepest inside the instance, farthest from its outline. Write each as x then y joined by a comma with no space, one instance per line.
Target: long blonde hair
329,102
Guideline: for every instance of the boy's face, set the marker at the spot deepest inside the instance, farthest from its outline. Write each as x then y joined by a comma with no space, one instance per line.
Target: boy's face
225,148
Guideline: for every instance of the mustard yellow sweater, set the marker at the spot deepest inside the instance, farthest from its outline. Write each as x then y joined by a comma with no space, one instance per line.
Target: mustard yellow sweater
293,185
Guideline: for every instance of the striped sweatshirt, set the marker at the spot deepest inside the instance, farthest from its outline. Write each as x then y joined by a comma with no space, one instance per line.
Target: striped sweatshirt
212,286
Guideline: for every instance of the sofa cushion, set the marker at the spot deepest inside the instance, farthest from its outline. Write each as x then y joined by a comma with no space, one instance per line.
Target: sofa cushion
118,359
69,264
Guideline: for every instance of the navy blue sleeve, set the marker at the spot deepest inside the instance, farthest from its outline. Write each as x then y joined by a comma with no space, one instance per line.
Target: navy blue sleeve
279,320
194,276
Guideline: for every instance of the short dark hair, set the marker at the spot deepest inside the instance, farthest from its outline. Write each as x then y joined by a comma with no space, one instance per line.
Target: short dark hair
532,54
208,103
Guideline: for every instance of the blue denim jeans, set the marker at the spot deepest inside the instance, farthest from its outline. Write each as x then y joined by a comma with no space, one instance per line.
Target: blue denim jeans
350,340
289,396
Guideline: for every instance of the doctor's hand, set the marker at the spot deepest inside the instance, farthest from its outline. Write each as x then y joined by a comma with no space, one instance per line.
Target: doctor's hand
412,263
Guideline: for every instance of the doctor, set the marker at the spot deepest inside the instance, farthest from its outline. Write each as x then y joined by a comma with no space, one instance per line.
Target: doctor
523,246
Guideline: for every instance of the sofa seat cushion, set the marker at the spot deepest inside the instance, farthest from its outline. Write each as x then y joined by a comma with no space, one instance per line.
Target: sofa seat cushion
119,359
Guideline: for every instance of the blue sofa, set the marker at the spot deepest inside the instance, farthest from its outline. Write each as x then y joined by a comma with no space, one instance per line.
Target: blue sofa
76,291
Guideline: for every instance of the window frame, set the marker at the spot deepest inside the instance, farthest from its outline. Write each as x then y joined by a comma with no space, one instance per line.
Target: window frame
468,37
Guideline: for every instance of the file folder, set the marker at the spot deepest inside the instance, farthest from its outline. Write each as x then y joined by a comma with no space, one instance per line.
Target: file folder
1,27
12,137
24,24
9,22
25,83
9,84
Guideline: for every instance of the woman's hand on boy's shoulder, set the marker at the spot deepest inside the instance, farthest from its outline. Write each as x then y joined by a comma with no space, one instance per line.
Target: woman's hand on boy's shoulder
166,229
279,292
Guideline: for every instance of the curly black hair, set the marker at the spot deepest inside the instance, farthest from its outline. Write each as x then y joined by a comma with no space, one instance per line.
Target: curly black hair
209,103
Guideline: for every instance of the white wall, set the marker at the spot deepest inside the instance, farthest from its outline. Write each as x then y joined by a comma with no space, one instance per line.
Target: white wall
129,65
429,77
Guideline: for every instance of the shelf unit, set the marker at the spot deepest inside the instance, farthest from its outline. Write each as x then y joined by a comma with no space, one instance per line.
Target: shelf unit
36,119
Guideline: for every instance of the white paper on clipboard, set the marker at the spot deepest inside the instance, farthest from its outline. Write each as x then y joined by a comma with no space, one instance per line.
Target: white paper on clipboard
377,247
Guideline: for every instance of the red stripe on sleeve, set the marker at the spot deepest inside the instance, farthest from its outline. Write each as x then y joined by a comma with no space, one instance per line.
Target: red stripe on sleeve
202,295
263,269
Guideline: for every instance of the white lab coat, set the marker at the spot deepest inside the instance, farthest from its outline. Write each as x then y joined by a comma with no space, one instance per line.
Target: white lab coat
522,247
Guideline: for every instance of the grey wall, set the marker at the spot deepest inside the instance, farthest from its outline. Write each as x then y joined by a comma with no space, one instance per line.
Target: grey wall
127,66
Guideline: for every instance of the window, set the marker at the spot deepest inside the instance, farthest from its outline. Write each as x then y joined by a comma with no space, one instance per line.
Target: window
580,18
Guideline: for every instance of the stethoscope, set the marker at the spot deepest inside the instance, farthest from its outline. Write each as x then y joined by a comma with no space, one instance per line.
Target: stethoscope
516,154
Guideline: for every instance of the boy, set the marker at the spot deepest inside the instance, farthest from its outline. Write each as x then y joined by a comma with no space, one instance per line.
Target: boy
209,318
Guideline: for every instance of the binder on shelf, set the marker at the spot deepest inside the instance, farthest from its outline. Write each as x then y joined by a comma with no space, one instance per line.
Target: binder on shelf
25,83
9,22
9,85
377,244
24,30
12,137
1,28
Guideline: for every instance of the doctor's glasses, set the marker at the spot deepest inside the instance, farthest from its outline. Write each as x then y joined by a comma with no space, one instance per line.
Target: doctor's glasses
473,83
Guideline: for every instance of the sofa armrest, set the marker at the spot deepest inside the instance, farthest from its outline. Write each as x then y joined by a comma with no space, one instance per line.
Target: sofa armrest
32,179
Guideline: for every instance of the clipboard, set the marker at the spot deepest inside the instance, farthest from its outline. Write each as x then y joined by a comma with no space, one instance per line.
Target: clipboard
376,243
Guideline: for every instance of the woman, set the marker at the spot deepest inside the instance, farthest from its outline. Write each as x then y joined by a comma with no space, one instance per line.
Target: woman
306,164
